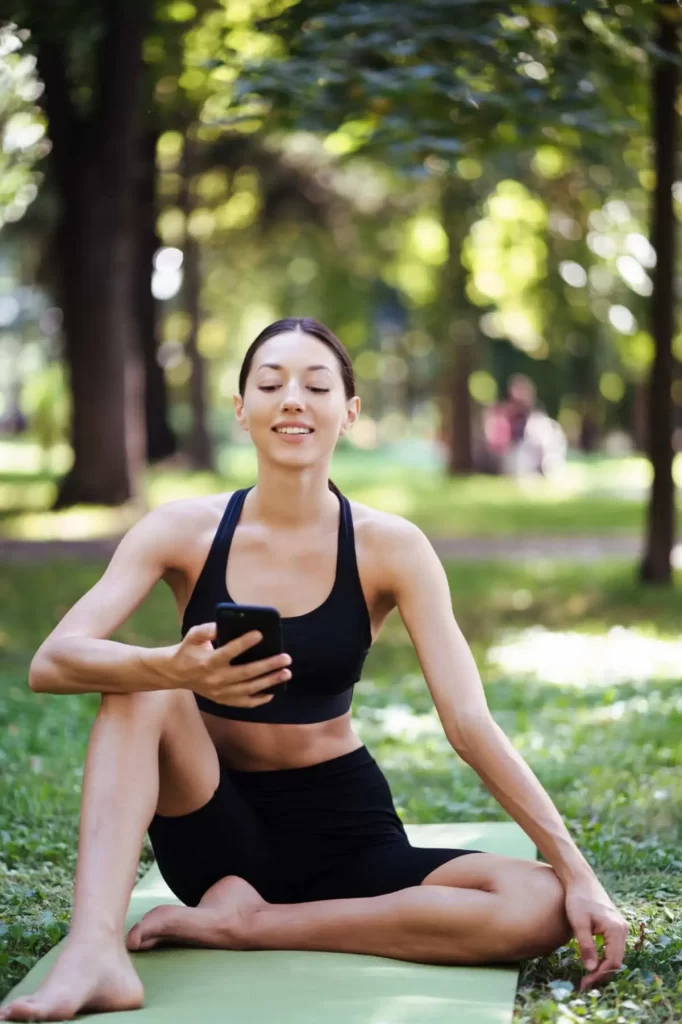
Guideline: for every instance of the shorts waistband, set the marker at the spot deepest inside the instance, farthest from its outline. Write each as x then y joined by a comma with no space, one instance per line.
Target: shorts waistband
307,773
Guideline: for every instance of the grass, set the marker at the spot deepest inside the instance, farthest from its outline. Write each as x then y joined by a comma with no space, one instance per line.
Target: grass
606,745
591,494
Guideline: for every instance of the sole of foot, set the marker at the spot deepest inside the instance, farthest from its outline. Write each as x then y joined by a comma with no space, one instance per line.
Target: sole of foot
221,921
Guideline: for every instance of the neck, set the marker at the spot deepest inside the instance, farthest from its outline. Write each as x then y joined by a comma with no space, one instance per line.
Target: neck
292,498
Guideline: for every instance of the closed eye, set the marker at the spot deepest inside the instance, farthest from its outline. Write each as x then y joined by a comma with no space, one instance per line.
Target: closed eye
273,387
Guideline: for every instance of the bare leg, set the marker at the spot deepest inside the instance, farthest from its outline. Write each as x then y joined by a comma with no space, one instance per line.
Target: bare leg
145,750
503,910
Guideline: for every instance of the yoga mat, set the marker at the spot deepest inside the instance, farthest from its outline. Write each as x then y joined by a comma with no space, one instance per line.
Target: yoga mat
184,986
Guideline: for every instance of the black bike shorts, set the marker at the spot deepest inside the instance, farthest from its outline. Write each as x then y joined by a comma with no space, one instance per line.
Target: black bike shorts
325,831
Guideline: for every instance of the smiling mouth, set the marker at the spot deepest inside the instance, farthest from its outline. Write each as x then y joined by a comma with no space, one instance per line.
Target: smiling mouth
298,432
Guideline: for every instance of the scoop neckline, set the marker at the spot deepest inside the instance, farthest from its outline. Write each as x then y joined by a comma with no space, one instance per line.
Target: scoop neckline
320,607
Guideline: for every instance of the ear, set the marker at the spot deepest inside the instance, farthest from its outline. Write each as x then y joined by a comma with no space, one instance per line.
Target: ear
239,411
352,413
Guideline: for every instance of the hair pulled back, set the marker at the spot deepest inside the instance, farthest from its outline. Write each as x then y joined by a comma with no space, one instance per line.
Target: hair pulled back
306,325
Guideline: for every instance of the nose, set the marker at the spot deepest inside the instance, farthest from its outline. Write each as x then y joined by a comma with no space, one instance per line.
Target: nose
292,397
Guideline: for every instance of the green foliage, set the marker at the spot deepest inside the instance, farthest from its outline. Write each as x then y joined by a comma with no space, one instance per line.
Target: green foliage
433,86
22,126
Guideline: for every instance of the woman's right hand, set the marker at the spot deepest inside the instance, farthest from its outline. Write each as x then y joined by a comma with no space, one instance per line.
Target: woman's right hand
196,665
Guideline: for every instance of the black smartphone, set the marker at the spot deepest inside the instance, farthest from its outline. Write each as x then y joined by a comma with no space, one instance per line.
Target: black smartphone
233,620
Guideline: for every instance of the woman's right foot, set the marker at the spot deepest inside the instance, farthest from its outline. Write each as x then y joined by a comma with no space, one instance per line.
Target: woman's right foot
85,978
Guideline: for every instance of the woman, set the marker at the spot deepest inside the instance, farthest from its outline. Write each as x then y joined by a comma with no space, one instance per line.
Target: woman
268,817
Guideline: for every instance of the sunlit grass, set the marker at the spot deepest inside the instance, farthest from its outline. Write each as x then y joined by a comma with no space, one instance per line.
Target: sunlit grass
594,494
608,751
571,658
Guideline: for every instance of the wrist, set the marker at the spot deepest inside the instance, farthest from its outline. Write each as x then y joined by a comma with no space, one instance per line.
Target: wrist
156,662
577,872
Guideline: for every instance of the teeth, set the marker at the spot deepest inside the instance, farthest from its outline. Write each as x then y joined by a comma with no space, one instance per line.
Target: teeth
292,430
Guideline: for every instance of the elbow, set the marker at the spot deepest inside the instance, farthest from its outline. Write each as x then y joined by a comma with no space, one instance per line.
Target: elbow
39,673
470,735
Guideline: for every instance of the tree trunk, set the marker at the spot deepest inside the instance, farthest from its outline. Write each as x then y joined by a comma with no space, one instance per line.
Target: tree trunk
461,331
655,567
199,446
640,415
94,171
161,440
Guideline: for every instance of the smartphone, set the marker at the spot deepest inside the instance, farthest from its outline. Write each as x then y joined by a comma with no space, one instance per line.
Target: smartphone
233,620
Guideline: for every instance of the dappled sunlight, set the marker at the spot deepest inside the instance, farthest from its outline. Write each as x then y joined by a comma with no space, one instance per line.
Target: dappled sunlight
400,501
399,721
24,456
651,702
164,487
34,496
570,658
594,494
82,522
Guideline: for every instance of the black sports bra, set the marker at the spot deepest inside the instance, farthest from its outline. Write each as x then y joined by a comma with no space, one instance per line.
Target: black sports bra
328,645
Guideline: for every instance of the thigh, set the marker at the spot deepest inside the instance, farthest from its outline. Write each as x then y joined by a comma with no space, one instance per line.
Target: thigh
494,873
223,837
388,867
164,728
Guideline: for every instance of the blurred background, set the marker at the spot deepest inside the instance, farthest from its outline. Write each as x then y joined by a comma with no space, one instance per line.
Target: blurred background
471,207
483,201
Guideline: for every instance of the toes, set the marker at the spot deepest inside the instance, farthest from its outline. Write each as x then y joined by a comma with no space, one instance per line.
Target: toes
153,926
25,1010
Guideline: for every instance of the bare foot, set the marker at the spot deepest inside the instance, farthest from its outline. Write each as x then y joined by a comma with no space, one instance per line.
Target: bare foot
84,978
219,922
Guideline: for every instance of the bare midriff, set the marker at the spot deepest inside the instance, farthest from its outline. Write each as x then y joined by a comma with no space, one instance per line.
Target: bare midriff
266,746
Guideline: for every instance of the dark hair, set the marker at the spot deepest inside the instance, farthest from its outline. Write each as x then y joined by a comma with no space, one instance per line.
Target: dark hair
307,325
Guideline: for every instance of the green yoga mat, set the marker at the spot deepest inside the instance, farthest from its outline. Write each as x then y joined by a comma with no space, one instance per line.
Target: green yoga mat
206,986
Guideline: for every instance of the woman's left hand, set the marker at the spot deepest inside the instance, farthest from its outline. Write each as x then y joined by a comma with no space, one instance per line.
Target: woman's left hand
590,912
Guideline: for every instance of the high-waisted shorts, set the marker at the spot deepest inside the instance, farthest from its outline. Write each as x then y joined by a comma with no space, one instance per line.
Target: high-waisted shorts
325,831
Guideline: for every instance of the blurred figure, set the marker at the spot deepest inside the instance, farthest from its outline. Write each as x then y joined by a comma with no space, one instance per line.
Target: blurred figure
519,438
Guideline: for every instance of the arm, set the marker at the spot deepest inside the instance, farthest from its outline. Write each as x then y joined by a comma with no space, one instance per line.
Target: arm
76,657
422,594
424,603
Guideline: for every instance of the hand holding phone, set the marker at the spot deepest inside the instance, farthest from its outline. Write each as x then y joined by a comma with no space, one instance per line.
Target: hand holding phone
233,620
235,660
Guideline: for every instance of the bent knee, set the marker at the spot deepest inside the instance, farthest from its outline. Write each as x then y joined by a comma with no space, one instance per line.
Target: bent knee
156,704
536,923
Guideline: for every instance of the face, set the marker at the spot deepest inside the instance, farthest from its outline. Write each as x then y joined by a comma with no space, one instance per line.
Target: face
295,379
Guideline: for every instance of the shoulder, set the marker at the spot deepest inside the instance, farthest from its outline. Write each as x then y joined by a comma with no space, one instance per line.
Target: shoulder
171,531
396,548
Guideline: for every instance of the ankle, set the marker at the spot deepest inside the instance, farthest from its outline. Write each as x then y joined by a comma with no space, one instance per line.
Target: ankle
96,935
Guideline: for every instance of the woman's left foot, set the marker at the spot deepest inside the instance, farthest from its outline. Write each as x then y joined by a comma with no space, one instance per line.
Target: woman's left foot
221,921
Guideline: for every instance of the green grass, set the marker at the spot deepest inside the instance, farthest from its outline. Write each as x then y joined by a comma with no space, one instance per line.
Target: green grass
609,754
592,494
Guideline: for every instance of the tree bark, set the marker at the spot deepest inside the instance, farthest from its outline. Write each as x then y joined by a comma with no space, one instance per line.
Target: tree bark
94,170
655,566
461,331
199,446
161,439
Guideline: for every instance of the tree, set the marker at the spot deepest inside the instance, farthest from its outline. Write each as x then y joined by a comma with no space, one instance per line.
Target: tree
90,62
661,516
432,88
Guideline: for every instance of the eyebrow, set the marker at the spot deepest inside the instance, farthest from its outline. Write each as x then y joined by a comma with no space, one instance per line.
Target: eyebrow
276,366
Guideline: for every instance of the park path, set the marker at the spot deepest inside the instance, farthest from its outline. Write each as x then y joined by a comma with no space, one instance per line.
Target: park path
475,548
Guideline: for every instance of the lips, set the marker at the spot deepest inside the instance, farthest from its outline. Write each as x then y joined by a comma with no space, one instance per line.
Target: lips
293,431
292,426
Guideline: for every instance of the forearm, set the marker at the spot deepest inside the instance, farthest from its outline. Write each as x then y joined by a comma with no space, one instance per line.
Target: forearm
79,664
513,784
